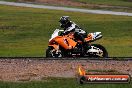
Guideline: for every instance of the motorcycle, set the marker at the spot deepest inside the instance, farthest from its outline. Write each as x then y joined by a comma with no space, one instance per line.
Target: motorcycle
68,46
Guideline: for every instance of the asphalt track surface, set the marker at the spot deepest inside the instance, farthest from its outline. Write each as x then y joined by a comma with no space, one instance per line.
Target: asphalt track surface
65,8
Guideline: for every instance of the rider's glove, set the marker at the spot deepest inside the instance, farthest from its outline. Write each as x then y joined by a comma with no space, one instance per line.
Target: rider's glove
96,35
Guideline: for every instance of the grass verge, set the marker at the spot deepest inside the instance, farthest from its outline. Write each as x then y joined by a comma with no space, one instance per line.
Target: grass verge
125,3
59,83
25,31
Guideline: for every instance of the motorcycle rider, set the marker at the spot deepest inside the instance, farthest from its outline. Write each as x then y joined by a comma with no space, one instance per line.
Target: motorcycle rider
70,26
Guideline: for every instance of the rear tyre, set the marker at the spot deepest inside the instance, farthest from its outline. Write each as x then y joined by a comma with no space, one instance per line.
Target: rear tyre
48,53
51,52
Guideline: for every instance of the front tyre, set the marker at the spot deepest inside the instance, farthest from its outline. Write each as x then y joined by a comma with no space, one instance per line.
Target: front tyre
97,50
51,52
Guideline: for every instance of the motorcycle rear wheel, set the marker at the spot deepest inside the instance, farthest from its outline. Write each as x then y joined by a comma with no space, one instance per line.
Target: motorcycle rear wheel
51,52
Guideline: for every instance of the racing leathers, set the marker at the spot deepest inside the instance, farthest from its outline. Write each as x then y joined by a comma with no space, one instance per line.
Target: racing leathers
78,32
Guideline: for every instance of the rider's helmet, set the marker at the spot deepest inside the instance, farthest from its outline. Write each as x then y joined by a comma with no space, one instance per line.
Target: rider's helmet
64,20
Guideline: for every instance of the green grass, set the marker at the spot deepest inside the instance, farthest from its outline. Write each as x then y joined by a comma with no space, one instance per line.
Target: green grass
125,3
59,83
25,31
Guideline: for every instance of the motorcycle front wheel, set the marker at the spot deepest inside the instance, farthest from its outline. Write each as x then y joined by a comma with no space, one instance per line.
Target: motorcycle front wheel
102,52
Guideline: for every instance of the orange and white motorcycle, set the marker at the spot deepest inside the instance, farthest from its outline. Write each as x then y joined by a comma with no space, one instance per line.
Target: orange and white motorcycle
68,46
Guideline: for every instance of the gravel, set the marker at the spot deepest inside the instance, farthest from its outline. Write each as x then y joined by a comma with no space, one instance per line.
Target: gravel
29,69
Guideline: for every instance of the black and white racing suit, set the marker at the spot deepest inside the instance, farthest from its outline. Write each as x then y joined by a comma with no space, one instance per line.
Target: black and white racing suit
78,32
